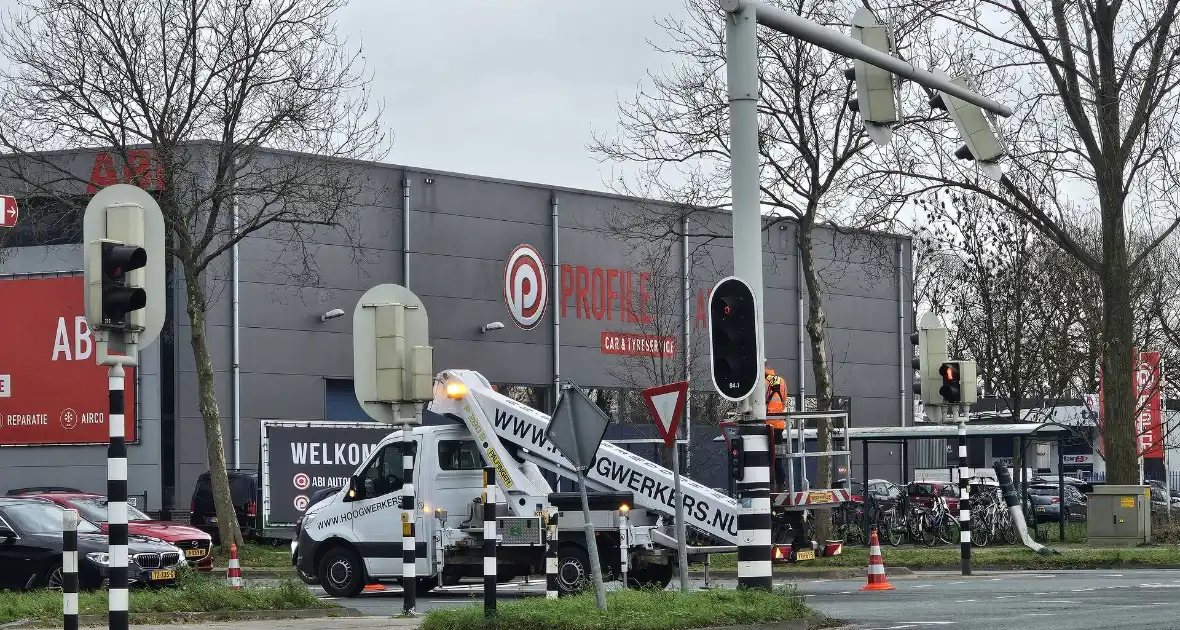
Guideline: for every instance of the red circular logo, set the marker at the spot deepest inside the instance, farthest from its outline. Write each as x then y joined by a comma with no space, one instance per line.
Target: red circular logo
301,503
302,481
526,286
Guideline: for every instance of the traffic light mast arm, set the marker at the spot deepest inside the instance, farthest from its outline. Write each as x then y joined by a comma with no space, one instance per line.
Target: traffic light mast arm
839,43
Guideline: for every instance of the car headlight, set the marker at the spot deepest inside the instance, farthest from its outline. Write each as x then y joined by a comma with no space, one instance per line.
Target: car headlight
99,557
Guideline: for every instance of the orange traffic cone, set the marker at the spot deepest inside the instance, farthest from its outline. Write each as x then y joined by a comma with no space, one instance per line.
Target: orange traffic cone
876,572
233,576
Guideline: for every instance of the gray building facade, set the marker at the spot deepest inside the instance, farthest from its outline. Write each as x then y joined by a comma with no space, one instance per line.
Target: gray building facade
538,259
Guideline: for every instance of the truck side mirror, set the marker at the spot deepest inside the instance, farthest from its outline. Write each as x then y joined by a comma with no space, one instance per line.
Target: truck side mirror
356,490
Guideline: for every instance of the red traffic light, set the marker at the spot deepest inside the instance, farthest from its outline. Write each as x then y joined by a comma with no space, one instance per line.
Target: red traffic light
947,372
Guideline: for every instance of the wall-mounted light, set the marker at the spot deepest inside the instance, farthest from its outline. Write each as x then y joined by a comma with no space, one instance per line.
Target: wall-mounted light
491,326
332,314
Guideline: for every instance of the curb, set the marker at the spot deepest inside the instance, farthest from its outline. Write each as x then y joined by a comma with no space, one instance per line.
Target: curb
199,617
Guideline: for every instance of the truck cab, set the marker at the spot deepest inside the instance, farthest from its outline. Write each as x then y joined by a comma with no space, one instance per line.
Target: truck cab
354,537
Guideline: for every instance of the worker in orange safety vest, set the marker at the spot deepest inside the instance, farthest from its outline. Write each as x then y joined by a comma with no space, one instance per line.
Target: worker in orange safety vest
776,386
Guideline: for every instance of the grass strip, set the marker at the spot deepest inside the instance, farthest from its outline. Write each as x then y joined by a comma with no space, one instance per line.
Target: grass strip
255,556
630,610
1072,557
192,593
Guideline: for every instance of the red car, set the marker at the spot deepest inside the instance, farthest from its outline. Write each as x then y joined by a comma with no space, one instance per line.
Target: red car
922,493
197,545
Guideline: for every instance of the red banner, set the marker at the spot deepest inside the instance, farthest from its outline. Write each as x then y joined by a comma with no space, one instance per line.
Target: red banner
1148,416
638,345
52,391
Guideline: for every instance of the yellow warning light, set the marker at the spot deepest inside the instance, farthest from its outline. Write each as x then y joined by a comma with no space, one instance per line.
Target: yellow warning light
456,390
624,508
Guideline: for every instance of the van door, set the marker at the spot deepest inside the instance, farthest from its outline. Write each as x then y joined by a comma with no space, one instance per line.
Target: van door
376,522
460,478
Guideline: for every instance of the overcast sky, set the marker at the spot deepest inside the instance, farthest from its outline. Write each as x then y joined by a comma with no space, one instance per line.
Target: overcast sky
506,88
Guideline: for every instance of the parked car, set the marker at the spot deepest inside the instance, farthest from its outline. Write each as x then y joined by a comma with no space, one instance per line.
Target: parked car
31,550
922,493
243,490
1046,503
196,544
20,492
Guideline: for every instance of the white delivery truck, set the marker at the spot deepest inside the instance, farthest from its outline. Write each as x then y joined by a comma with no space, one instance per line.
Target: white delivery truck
353,537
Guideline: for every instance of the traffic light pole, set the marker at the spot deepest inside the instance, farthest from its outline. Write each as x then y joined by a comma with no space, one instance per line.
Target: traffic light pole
117,589
753,521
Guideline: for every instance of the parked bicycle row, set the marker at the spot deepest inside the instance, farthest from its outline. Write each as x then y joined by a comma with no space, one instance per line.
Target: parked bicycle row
928,513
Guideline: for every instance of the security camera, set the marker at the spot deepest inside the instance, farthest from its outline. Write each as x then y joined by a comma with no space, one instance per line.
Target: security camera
332,314
492,326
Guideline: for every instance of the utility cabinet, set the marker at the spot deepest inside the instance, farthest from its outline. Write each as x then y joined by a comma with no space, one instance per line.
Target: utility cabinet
1118,516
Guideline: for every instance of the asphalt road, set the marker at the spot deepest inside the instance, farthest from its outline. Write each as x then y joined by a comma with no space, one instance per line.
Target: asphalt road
1126,600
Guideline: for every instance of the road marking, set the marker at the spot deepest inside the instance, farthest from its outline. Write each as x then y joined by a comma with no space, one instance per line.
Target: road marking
1084,590
953,583
1054,601
923,585
1113,575
965,601
1007,596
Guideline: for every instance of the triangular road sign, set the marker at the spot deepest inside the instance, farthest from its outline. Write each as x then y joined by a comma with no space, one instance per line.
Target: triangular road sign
666,404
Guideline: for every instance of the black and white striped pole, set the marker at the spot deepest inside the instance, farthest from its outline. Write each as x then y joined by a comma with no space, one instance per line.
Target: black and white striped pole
489,542
69,569
964,501
117,503
551,591
753,521
409,537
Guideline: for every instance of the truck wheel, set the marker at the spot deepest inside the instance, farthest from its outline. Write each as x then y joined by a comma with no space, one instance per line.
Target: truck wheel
342,574
651,575
573,570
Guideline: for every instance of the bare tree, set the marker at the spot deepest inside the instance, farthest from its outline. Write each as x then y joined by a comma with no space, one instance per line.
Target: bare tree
812,150
246,108
1096,91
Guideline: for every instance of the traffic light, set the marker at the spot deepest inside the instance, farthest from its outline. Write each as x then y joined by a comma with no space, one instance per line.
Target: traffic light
120,297
931,345
733,335
951,389
980,142
876,97
960,384
736,449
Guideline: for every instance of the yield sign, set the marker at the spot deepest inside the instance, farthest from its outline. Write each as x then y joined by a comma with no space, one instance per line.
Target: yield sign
666,405
8,211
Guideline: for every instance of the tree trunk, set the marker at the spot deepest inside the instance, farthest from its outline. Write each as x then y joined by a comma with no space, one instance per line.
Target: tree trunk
227,520
817,330
1118,413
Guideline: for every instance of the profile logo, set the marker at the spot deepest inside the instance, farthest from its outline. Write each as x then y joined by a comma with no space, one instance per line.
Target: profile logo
526,286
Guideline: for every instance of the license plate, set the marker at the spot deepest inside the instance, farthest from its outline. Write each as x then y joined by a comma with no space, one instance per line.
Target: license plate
805,555
163,575
194,553
1039,509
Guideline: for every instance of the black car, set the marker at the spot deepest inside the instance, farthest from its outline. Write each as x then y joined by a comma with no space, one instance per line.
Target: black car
31,550
244,492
